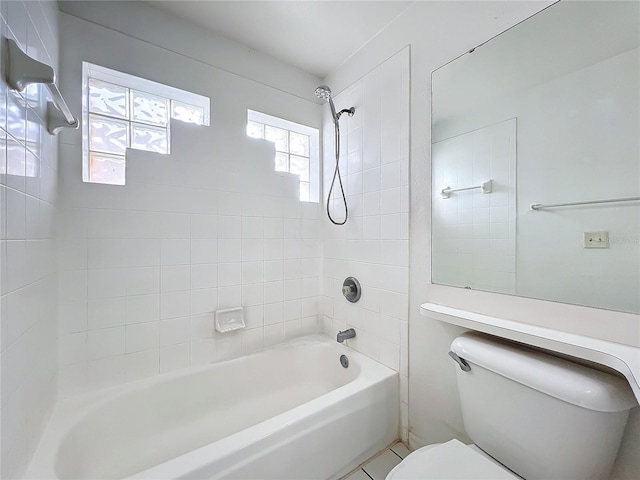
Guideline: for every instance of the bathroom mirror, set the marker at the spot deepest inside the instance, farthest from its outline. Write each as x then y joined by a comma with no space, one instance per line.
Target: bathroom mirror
545,114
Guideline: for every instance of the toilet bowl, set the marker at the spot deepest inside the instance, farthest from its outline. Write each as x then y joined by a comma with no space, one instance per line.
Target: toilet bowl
450,461
530,415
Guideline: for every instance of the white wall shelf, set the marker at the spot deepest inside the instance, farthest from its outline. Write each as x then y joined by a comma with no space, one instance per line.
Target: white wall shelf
622,358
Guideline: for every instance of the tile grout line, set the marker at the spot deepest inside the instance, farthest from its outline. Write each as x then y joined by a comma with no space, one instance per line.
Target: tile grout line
390,449
365,472
398,455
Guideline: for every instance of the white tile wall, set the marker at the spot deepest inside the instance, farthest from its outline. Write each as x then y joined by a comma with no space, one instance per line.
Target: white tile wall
28,281
144,266
373,246
122,296
474,242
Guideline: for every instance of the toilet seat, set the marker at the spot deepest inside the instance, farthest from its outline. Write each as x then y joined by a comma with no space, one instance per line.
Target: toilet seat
449,461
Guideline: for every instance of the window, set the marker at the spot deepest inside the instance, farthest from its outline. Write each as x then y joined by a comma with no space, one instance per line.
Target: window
296,149
121,111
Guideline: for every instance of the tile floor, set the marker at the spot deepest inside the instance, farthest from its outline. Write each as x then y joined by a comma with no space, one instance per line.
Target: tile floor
378,467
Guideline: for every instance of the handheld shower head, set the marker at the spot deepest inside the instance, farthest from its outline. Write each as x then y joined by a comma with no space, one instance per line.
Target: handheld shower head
324,92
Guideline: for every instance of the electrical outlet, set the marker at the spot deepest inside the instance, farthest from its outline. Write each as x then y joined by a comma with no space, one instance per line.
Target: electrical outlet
596,239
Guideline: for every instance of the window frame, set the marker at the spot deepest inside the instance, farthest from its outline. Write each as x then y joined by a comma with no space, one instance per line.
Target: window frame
132,84
314,147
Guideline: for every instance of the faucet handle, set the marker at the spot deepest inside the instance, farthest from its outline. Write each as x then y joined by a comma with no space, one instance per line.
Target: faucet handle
351,289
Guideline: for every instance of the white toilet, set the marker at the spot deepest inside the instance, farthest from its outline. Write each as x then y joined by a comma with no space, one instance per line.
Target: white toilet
530,414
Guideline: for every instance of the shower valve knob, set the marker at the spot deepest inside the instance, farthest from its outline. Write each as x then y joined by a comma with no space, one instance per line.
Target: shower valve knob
351,289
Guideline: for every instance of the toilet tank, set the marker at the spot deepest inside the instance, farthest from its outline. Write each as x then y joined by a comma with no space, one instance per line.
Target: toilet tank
541,416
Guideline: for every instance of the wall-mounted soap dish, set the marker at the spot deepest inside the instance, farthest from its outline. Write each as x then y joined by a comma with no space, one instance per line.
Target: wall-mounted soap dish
229,320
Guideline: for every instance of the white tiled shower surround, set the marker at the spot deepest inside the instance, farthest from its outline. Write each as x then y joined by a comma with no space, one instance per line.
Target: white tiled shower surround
28,283
147,268
373,246
144,266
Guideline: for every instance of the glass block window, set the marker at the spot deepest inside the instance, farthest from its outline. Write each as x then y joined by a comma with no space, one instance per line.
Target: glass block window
121,111
296,149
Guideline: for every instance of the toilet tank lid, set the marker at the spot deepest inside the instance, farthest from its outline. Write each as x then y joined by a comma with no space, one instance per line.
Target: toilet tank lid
557,377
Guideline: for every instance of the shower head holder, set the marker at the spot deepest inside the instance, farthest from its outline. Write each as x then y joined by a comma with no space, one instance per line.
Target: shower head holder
349,111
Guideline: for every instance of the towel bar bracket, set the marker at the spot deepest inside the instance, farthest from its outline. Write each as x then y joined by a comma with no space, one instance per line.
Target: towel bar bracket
21,70
56,121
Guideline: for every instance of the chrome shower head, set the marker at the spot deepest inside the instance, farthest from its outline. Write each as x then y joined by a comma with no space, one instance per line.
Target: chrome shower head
324,92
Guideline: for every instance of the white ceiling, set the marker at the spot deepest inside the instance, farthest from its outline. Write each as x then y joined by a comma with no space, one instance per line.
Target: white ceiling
315,36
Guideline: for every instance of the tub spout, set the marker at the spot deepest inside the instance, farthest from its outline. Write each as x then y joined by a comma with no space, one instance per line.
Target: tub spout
342,336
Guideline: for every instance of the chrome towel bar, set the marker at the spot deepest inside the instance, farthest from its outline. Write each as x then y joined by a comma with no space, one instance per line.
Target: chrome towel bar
447,191
540,206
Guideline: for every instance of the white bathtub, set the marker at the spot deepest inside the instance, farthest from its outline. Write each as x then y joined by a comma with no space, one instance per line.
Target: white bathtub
288,412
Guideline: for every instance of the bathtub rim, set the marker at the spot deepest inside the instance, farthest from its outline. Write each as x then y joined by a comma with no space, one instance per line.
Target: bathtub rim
193,460
68,412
